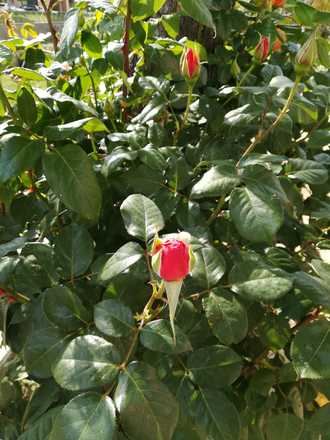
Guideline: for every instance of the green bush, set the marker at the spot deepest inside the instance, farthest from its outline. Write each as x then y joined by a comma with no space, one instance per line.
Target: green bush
100,153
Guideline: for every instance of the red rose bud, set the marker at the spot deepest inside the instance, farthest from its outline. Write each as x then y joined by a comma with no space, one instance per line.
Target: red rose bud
11,299
306,56
190,64
2,293
261,50
174,263
278,3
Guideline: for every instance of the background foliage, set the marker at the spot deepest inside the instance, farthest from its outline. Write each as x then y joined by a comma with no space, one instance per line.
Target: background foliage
95,160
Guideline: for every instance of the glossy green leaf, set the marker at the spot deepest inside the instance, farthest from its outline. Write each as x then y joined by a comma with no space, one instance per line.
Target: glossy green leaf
42,348
256,216
215,361
209,268
218,181
125,257
227,316
308,171
264,285
139,387
215,415
70,175
310,351
87,362
26,106
313,288
84,416
113,318
70,29
72,129
74,250
142,218
91,44
18,154
157,336
283,426
145,8
198,10
42,428
64,309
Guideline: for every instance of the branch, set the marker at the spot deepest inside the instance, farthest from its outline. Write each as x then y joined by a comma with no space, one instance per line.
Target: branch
52,29
126,45
263,134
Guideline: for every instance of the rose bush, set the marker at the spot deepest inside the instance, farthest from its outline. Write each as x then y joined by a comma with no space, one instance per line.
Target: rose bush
164,227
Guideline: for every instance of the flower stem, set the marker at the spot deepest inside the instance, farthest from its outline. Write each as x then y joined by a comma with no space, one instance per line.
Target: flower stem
263,134
186,113
146,316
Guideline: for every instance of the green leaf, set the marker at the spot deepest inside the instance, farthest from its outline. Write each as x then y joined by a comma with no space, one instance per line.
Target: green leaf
42,428
125,257
64,309
309,16
284,426
216,361
256,215
17,154
157,336
27,74
70,174
209,268
308,171
145,8
322,269
198,10
91,44
113,318
42,348
320,420
84,416
74,250
218,181
227,317
140,388
70,29
87,362
313,288
264,285
142,218
72,129
310,351
26,106
215,415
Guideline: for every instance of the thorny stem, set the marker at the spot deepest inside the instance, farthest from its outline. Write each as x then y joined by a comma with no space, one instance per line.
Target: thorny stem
217,210
263,134
186,113
146,316
126,46
241,82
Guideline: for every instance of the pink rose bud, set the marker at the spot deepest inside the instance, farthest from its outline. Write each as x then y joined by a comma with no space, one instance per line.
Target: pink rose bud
190,64
173,258
261,50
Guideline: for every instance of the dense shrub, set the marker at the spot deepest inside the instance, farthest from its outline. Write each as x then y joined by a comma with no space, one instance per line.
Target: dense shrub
100,153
